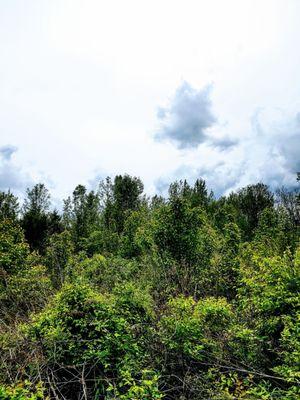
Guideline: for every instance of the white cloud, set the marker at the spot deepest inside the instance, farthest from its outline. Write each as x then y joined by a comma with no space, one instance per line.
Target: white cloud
269,153
12,176
185,120
81,82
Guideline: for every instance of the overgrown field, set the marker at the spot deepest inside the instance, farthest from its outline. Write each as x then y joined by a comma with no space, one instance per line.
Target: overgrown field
127,297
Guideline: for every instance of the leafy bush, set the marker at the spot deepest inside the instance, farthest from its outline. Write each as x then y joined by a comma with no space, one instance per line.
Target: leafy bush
104,273
195,329
188,298
82,327
22,391
13,248
26,291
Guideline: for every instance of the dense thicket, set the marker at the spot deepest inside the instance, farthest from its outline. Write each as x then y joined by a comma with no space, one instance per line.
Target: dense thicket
122,296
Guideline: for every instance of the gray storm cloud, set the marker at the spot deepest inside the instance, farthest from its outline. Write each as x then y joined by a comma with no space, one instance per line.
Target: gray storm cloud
185,120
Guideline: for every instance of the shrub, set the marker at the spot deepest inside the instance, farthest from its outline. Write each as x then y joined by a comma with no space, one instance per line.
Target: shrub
22,391
83,329
196,329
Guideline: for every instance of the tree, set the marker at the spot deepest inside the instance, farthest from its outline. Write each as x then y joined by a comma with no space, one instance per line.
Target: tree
57,256
289,201
269,298
249,202
176,230
35,219
197,195
127,192
123,195
9,206
188,297
81,214
132,236
13,248
38,199
55,224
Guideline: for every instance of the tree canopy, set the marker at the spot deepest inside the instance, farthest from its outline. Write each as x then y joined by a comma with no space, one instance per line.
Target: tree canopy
126,296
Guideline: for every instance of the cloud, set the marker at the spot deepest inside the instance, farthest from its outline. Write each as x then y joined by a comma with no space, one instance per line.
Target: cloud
161,185
275,146
7,151
218,177
12,177
268,153
185,120
224,143
94,182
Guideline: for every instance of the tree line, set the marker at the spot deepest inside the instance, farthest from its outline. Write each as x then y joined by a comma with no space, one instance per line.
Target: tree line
126,296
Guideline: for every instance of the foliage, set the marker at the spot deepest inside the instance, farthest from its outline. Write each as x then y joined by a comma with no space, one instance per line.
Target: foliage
58,255
13,248
191,327
9,206
26,291
81,215
143,389
128,297
35,220
250,202
175,230
105,273
83,327
22,391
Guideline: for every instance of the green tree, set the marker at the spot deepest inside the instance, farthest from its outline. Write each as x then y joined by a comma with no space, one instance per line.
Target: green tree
249,203
127,193
197,195
176,230
58,255
268,296
133,242
13,248
81,215
221,276
35,216
9,206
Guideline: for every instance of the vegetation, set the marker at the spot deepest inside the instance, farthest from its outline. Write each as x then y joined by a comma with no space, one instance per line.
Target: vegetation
122,296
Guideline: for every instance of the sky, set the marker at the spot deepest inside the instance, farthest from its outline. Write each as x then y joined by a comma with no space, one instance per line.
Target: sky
163,90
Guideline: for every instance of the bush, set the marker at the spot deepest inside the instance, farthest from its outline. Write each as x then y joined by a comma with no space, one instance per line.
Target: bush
13,248
196,329
22,391
83,328
105,273
26,291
